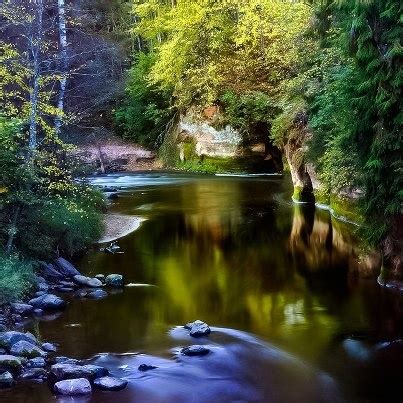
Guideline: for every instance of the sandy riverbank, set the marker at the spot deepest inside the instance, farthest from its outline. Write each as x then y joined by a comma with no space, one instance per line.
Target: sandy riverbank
118,226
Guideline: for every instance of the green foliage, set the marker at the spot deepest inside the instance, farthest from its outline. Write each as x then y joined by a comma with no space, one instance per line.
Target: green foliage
145,112
356,113
15,278
53,214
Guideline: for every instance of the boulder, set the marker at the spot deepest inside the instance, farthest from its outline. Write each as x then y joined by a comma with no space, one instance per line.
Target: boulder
87,281
48,302
38,362
34,373
49,271
6,380
96,370
66,268
97,294
114,280
22,309
71,371
195,350
7,339
49,347
10,363
110,383
73,387
39,293
198,328
112,196
26,349
38,312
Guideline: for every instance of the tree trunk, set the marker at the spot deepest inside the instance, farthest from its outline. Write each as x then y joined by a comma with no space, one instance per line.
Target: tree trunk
35,42
62,62
13,229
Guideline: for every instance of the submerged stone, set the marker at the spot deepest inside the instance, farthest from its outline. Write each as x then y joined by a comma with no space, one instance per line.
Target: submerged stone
97,294
195,350
198,328
110,383
72,387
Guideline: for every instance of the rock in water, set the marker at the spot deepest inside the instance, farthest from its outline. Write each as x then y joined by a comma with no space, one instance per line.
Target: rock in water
10,363
49,347
22,309
38,362
7,339
100,277
96,370
146,367
6,380
72,387
110,383
71,371
87,281
66,268
198,328
97,294
26,349
114,280
34,373
195,350
48,302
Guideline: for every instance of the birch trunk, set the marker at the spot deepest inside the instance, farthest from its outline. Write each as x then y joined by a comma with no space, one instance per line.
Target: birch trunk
35,43
63,62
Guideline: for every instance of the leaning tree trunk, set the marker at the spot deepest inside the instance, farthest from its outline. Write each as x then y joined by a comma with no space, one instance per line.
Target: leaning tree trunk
63,63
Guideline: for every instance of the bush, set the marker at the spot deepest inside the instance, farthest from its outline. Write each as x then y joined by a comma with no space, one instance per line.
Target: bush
16,277
66,225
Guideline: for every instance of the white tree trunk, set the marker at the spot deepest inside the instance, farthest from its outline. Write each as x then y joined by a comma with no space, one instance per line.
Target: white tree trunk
63,62
35,43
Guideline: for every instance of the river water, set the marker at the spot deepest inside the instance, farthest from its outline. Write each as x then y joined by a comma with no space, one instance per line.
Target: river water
276,281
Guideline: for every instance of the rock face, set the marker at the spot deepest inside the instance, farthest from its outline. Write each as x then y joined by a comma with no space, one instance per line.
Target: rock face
6,380
114,280
73,387
26,349
10,363
198,328
87,281
7,339
195,350
48,302
110,383
66,268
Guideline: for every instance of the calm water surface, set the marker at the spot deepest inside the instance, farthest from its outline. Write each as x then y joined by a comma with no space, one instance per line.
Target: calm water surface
291,321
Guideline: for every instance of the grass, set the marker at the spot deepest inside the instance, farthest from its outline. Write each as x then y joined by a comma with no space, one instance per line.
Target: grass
16,278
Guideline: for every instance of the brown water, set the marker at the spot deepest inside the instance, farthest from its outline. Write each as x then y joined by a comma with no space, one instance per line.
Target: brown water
291,322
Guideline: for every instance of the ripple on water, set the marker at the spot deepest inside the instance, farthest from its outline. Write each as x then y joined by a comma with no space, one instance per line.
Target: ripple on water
239,367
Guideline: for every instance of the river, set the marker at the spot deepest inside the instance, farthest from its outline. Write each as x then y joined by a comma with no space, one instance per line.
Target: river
291,321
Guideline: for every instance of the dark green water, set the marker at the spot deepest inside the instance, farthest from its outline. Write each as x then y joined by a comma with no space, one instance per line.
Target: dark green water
234,252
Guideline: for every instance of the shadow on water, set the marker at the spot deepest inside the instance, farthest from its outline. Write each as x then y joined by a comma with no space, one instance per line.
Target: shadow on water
235,253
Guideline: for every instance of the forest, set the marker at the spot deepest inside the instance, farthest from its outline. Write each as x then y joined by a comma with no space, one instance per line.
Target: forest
317,82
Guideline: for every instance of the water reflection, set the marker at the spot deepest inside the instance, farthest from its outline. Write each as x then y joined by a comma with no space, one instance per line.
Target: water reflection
233,252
